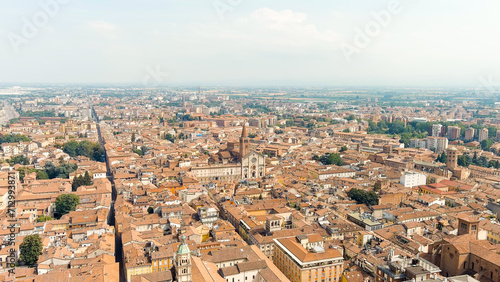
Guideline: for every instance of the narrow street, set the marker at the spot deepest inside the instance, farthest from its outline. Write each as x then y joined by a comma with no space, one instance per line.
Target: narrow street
111,219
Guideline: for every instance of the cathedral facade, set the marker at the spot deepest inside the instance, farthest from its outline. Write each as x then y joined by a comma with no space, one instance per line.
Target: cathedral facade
237,162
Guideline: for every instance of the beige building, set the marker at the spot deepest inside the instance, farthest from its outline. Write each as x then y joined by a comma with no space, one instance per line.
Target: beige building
236,163
302,261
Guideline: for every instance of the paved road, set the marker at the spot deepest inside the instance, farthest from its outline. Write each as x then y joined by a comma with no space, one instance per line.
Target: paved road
111,219
10,113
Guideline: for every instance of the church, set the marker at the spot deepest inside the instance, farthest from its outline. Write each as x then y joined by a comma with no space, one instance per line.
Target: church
236,162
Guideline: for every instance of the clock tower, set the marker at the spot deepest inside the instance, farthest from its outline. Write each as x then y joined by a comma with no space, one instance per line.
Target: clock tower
183,262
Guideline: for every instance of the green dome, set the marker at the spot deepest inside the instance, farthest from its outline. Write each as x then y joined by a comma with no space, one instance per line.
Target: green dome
183,248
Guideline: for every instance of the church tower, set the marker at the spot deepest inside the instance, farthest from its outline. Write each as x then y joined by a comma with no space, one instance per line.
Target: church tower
183,262
244,142
451,158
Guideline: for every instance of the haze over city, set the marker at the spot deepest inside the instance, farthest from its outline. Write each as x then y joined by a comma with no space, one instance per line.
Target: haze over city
252,43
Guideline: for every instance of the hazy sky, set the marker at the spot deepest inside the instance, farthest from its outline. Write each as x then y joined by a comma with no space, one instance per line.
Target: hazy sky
251,42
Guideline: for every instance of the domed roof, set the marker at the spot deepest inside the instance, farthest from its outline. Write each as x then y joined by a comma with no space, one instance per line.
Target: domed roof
183,247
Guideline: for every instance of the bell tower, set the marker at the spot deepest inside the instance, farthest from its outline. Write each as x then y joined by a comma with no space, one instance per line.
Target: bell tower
244,142
183,262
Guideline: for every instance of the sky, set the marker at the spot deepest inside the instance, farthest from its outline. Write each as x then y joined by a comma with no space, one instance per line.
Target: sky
400,43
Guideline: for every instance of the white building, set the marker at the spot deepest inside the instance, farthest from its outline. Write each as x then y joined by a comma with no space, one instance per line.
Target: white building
412,178
483,134
438,144
437,130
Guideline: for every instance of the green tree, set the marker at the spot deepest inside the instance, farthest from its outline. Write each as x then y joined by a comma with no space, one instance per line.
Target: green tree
31,248
87,179
442,158
343,149
377,186
133,137
329,159
13,138
70,148
43,218
363,197
151,210
42,174
20,159
138,151
66,203
486,144
82,180
91,150
170,137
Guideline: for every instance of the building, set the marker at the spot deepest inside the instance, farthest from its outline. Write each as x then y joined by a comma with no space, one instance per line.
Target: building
453,132
483,134
463,254
437,130
365,220
301,261
451,158
469,134
235,163
182,261
437,144
412,178
208,215
399,268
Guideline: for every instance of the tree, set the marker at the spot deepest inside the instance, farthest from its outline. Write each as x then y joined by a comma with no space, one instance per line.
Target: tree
170,137
329,159
43,218
363,197
13,138
486,144
133,137
31,248
66,203
87,180
442,158
82,180
91,150
151,210
377,187
343,149
138,151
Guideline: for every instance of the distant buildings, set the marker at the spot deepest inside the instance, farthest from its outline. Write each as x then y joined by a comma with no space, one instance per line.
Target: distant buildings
437,130
469,134
412,178
453,132
438,144
483,134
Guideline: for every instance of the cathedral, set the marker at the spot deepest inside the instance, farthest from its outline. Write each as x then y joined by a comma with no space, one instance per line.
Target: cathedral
236,162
